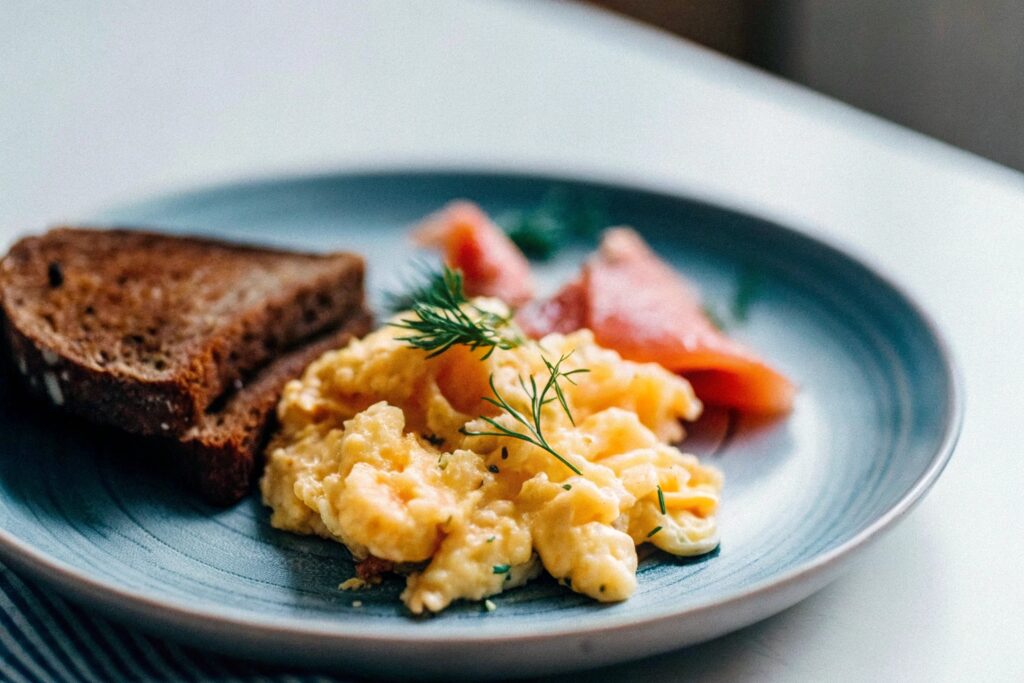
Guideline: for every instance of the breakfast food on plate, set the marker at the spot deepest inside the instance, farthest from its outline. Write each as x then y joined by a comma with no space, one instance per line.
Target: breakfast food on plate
159,334
447,438
479,438
472,243
638,305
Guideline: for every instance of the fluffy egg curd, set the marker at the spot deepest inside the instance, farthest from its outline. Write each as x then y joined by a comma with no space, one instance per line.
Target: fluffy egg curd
379,448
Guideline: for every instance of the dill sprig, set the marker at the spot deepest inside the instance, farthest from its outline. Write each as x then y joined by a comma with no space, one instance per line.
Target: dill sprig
441,320
539,398
561,217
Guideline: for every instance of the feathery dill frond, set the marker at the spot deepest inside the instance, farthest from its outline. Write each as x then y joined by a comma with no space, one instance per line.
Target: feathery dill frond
441,320
532,431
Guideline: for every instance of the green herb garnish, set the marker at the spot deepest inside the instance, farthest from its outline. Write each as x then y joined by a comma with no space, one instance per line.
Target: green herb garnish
538,233
491,539
501,568
442,321
747,288
560,217
567,487
653,531
661,500
538,399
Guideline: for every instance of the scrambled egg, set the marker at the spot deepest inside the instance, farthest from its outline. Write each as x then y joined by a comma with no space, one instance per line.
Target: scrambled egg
372,452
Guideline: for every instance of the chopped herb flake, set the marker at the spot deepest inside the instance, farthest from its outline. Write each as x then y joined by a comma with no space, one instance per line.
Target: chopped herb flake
501,568
567,487
661,500
653,531
491,539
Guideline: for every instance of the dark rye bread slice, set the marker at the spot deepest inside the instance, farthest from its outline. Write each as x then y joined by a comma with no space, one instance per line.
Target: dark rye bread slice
222,451
144,331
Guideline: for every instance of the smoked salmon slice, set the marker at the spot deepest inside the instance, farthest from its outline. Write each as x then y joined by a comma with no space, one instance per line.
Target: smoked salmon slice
491,264
638,305
565,312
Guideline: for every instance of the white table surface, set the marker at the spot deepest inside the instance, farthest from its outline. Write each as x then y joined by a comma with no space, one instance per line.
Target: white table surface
101,103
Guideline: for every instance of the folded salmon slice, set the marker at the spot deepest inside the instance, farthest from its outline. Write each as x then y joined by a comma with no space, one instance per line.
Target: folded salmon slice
468,240
638,305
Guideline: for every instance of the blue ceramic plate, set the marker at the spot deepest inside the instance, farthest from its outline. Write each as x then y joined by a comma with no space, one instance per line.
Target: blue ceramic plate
875,421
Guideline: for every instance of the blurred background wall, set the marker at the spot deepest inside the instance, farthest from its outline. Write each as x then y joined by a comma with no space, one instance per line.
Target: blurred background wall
953,69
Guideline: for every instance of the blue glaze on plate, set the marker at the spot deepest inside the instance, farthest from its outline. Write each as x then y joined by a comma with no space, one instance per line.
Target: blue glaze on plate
874,423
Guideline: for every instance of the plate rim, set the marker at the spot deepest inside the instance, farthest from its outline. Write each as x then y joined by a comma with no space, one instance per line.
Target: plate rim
108,594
